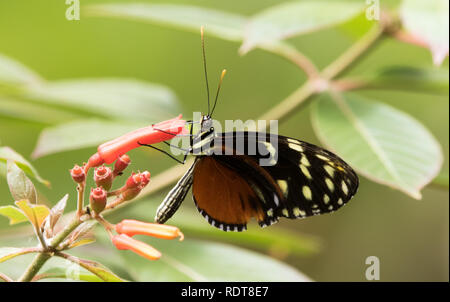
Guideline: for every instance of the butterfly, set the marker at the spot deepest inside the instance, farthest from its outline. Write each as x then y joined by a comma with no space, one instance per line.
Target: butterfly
230,185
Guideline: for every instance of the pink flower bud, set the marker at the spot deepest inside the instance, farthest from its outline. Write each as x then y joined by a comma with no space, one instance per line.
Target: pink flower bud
133,181
97,199
121,164
103,177
78,174
145,178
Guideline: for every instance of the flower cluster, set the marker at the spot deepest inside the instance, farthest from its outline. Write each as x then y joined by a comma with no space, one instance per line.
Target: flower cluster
102,197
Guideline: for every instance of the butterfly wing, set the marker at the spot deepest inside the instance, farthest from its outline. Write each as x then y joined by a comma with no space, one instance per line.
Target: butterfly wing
225,196
313,180
302,180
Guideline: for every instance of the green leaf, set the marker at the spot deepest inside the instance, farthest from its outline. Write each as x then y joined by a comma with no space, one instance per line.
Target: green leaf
19,184
81,242
356,27
295,18
15,73
7,253
378,141
95,268
411,78
14,214
82,231
63,273
6,153
55,213
116,98
36,214
428,21
22,110
79,134
195,260
224,25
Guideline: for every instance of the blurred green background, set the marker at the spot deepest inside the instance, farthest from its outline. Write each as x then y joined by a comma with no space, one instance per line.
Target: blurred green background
410,237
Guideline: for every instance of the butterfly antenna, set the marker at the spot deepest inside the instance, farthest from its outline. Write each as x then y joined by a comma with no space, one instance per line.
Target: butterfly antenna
202,31
218,89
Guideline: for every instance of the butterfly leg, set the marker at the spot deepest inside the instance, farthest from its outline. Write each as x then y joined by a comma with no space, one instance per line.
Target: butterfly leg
173,134
165,152
175,197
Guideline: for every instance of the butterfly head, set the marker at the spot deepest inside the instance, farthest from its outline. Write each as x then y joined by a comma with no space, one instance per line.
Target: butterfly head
206,127
206,124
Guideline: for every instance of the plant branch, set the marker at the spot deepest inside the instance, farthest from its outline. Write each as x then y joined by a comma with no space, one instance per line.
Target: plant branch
42,257
354,53
294,56
40,237
34,267
80,198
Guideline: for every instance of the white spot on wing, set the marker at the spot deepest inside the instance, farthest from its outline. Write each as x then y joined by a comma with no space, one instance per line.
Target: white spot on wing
283,186
330,184
307,192
304,161
322,157
329,170
298,213
275,199
305,171
344,188
295,147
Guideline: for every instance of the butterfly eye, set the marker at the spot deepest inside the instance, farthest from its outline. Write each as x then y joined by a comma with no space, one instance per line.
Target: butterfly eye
211,129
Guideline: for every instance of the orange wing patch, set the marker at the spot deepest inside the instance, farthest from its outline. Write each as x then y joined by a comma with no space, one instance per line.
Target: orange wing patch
223,196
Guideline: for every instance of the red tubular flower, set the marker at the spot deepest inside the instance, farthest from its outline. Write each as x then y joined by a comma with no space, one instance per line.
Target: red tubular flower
134,227
78,174
111,150
124,242
98,199
103,177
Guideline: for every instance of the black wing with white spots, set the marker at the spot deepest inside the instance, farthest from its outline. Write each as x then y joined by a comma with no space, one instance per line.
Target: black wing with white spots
290,178
313,180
